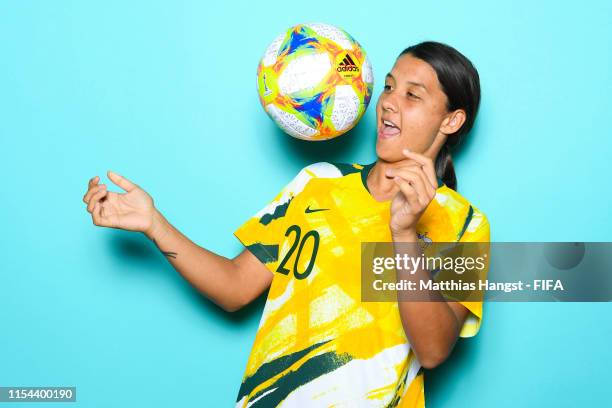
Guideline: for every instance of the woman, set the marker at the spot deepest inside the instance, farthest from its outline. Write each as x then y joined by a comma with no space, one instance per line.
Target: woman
318,344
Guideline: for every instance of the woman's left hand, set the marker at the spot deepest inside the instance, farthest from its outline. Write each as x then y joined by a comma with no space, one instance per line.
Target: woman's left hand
418,183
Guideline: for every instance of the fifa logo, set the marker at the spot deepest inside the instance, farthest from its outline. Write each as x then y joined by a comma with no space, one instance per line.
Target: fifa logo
267,91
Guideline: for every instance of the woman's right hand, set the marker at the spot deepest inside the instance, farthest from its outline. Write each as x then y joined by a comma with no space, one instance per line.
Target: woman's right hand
132,210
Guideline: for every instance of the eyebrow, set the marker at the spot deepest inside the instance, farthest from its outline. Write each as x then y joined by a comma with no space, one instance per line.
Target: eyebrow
408,82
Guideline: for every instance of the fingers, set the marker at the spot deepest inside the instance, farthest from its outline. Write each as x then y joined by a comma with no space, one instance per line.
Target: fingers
100,218
414,177
93,181
96,215
415,170
409,193
93,190
121,181
90,185
427,163
96,197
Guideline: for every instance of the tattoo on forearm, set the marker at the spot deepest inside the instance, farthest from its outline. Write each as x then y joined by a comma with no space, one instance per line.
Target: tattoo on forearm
168,254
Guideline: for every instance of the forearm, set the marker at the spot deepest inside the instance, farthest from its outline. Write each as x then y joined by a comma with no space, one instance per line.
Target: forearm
214,276
430,326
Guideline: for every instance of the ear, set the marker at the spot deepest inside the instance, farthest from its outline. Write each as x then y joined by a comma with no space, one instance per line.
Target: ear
453,122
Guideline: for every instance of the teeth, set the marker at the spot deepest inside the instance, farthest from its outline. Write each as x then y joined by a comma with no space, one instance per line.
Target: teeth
386,122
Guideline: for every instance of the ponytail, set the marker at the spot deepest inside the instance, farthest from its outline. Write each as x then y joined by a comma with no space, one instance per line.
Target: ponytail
445,170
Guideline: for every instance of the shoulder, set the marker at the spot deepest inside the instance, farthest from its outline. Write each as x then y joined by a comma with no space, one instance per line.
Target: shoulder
470,219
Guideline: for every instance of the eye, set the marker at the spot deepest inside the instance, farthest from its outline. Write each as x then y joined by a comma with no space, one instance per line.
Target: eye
411,95
387,87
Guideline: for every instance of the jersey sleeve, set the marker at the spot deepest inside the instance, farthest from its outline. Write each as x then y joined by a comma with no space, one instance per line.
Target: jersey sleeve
478,231
264,232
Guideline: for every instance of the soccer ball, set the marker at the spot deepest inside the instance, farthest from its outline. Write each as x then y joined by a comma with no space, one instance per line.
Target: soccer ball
315,81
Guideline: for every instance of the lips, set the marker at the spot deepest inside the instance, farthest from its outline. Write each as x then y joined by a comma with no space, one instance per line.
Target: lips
388,129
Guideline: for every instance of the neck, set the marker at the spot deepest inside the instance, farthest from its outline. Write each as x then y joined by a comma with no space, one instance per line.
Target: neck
381,187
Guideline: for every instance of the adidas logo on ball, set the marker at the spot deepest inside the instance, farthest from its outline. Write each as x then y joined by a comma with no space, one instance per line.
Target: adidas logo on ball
347,64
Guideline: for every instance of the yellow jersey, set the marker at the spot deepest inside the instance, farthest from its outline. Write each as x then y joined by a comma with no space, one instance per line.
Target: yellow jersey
318,344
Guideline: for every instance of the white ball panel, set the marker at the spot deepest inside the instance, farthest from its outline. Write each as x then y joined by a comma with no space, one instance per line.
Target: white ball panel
290,123
366,72
271,53
332,33
346,107
304,72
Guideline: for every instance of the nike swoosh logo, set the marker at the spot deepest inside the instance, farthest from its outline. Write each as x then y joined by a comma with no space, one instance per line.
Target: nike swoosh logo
309,210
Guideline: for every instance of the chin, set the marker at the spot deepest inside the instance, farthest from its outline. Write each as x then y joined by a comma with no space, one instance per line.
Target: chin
389,150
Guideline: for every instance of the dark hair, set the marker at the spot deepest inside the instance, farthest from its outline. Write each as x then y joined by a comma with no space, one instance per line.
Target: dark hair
461,84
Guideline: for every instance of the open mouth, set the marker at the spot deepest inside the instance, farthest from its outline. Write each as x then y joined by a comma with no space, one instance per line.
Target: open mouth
388,129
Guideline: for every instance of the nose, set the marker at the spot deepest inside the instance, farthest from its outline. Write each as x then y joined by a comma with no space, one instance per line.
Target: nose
388,103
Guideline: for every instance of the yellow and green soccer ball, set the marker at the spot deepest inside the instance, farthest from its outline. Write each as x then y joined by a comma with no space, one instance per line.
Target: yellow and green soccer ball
315,81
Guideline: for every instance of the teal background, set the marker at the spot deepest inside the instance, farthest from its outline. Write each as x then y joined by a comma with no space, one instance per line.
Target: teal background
164,93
